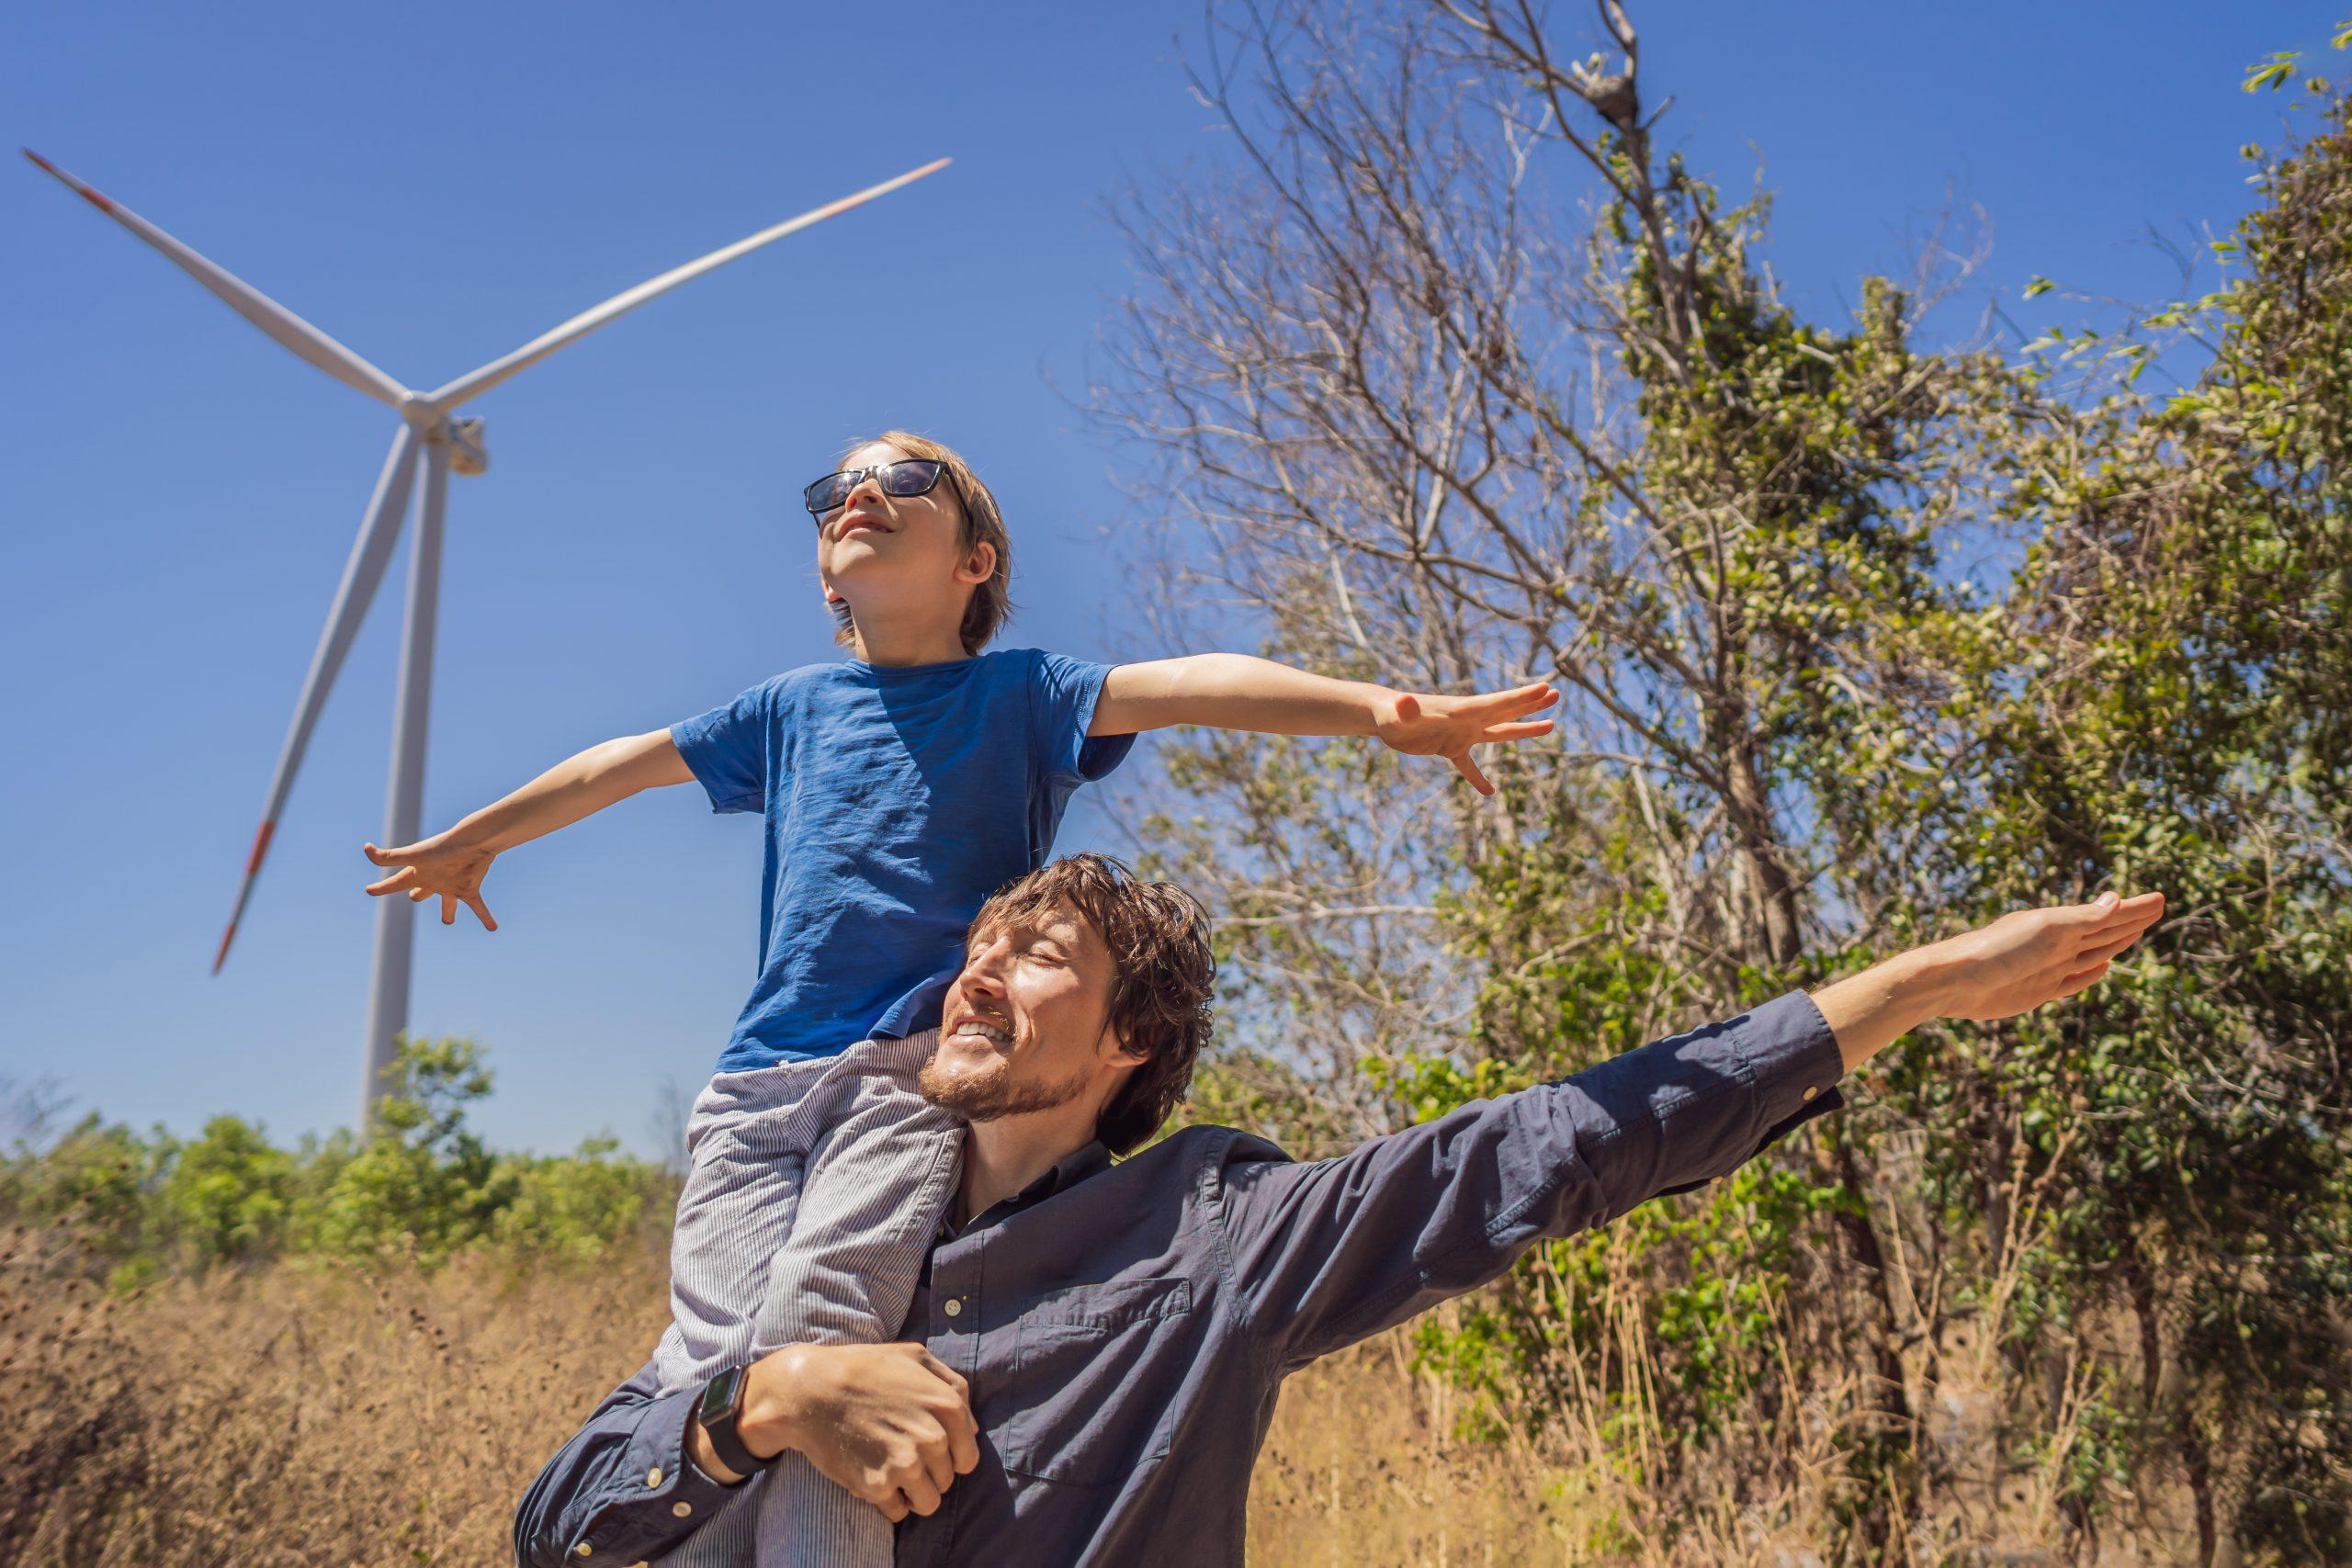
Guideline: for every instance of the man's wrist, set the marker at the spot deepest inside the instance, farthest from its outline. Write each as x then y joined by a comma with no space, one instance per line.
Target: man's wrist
768,1424
1870,1010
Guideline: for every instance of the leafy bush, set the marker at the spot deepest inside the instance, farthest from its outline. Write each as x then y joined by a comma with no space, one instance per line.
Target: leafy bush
422,1187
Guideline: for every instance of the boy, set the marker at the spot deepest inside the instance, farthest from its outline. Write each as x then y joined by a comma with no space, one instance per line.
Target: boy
900,788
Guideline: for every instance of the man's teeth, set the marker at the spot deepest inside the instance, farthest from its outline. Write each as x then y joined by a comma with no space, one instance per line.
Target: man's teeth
986,1031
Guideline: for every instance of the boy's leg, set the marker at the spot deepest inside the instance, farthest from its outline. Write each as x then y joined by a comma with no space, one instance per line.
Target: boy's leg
734,1209
878,1180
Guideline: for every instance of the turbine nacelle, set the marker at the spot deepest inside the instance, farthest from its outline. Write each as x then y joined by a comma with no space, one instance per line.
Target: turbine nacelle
468,455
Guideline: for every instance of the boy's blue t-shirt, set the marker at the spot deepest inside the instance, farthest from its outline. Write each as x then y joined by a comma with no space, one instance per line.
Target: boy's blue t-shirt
897,800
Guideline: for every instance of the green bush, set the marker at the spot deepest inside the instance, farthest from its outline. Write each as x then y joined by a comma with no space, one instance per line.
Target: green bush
422,1186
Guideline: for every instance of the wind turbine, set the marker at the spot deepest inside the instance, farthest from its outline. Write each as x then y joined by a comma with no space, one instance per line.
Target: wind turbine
429,426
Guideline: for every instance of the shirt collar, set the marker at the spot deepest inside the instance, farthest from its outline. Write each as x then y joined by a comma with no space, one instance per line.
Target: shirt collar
1071,1169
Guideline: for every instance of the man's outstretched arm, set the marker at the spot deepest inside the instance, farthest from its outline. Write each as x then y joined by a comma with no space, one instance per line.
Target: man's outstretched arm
1327,1253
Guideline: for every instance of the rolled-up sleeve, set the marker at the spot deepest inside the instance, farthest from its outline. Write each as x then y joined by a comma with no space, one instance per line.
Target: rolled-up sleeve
1326,1253
622,1490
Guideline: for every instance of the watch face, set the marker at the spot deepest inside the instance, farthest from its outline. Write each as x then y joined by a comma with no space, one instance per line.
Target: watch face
718,1394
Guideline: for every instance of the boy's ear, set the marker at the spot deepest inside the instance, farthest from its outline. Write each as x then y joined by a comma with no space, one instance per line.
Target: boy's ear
979,566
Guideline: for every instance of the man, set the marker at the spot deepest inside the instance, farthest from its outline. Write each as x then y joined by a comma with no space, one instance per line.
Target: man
1093,1351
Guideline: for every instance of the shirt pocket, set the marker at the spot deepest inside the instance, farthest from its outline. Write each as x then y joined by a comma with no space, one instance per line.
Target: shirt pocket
1087,1356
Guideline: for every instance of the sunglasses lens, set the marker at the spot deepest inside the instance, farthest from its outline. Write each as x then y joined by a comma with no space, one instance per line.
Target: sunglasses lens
911,478
827,494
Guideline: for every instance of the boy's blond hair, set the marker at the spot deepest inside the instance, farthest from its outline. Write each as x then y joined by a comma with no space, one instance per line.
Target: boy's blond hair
992,603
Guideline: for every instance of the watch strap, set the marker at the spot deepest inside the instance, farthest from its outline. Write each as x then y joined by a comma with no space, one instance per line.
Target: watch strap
721,1429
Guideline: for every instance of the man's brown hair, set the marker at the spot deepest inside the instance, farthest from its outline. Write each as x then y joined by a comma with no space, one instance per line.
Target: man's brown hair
992,603
1163,974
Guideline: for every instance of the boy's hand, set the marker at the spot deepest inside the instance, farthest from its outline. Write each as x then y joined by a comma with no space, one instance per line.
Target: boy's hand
437,867
1449,727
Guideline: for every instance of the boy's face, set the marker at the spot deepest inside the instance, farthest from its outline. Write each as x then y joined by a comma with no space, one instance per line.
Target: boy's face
1026,1026
899,556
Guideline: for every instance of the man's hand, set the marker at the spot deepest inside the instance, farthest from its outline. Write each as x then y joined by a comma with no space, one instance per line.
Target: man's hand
2032,956
441,866
1449,727
2021,961
891,1424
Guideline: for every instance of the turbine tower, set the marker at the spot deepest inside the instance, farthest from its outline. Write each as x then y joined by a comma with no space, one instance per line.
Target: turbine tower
432,433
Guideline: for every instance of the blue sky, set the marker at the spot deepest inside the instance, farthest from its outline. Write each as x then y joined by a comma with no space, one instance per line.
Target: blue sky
180,492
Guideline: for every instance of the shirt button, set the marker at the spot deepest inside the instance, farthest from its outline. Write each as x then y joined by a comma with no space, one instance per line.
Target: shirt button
954,1305
653,1476
681,1509
1809,1090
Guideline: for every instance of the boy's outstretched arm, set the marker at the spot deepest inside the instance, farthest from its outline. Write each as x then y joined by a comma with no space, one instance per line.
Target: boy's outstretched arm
451,864
1234,691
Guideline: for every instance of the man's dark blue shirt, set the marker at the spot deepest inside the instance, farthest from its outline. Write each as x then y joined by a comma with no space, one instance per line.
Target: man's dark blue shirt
1126,1328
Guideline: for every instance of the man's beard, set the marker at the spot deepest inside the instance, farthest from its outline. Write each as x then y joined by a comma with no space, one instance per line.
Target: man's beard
984,1095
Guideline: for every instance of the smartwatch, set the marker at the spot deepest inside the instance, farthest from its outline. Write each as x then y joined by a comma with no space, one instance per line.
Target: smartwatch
721,1408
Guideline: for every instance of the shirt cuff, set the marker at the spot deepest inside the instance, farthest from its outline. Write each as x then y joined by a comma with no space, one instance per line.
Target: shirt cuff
1793,1065
658,1498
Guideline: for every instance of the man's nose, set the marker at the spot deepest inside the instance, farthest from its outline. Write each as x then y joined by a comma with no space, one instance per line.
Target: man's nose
984,974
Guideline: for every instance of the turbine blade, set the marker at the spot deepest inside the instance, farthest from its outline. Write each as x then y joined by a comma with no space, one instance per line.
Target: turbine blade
246,300
370,553
580,325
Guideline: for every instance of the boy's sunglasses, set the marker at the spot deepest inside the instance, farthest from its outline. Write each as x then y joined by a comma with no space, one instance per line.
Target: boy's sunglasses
909,477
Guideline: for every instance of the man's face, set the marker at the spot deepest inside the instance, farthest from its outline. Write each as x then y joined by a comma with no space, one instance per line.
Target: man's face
1026,1026
897,552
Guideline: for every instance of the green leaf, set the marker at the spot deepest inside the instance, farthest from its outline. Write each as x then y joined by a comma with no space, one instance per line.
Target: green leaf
2040,285
2271,75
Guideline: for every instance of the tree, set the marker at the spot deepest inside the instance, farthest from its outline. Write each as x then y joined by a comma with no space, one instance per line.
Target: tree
1394,407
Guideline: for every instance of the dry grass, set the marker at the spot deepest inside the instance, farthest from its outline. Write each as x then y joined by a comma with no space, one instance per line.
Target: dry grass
315,1415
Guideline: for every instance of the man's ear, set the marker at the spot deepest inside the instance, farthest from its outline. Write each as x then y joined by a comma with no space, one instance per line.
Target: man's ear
1122,1053
979,565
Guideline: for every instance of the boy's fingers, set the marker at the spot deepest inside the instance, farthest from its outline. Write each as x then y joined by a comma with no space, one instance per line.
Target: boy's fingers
1469,770
481,911
449,908
1528,730
419,895
1519,699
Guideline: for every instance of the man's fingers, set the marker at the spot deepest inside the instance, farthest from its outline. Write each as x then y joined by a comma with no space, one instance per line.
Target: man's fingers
920,1496
2082,980
449,908
419,895
939,1464
395,882
481,911
942,1372
2107,948
1527,731
1469,770
964,1443
894,1506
